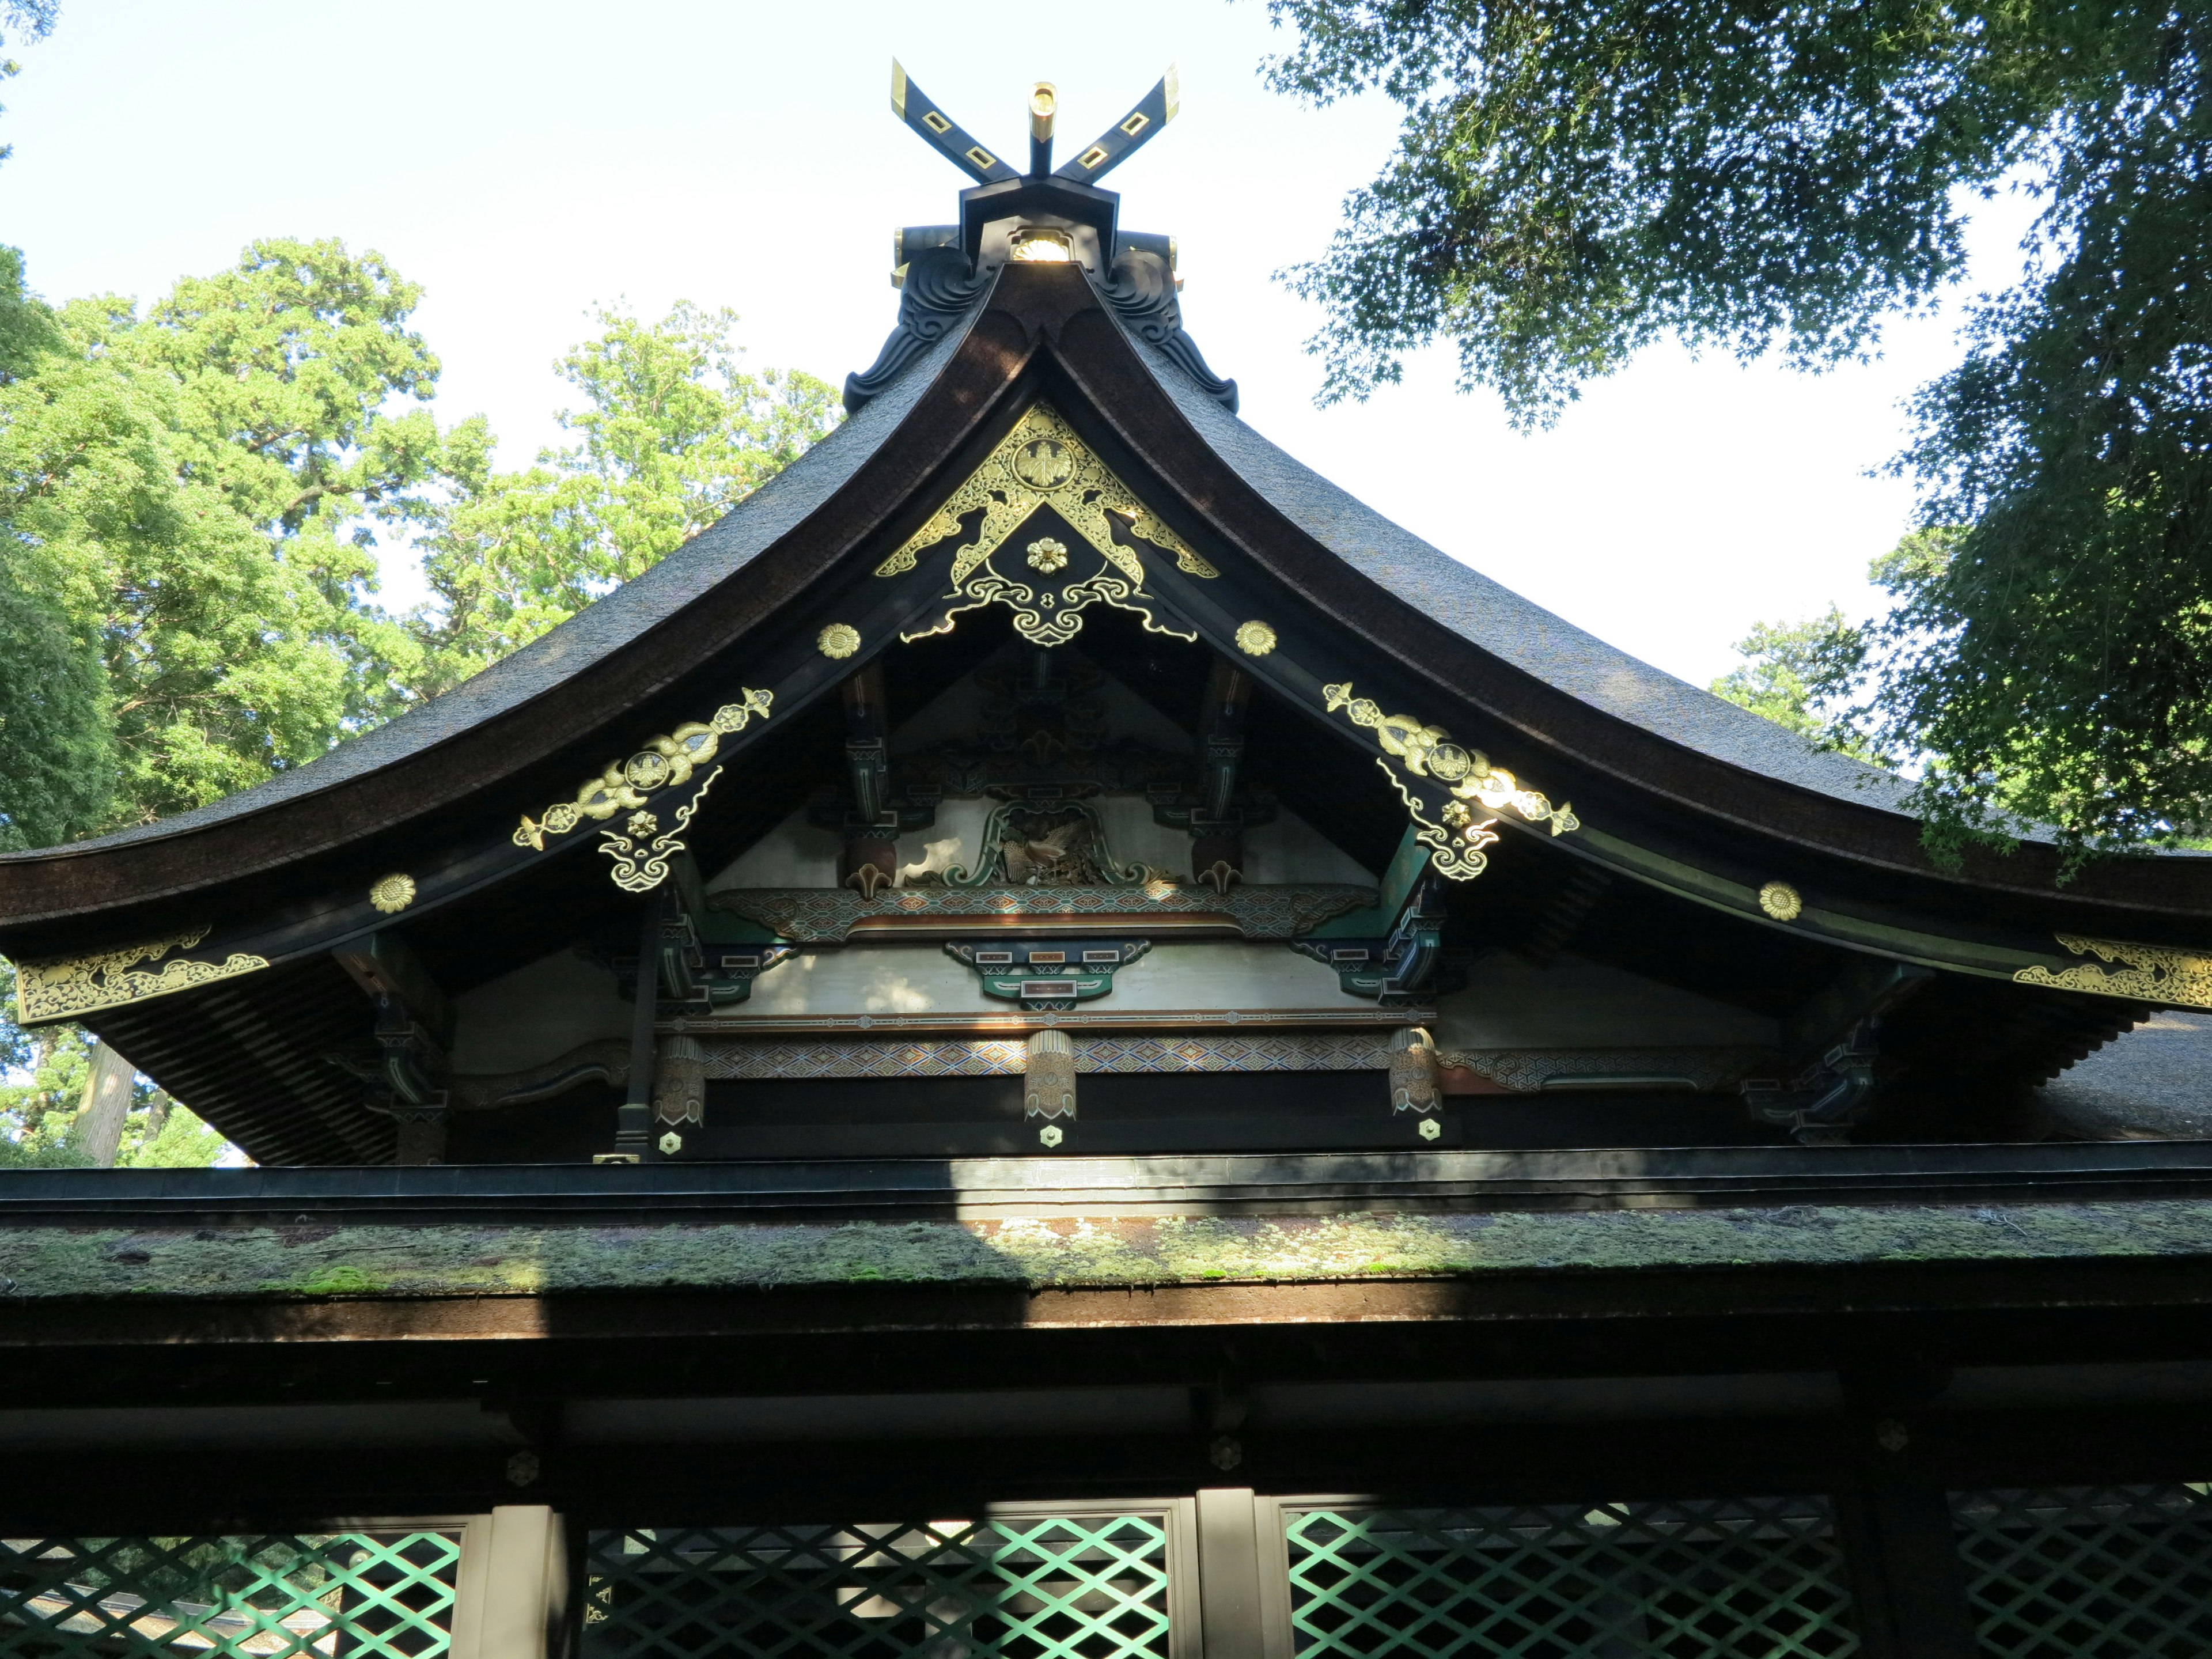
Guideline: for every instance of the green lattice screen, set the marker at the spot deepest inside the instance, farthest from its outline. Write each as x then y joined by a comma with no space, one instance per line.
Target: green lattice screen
2089,1572
1057,1587
351,1595
1743,1578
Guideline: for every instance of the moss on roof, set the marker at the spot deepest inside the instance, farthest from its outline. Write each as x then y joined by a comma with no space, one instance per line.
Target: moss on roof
328,1261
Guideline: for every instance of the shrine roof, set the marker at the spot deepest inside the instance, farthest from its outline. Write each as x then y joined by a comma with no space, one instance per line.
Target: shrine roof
1517,629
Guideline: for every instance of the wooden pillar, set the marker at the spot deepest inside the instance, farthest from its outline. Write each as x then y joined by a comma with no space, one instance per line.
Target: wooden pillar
1229,1573
513,1599
632,1120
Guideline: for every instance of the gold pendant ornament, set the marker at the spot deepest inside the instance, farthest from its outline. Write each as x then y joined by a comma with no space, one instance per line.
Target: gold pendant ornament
1416,755
1041,463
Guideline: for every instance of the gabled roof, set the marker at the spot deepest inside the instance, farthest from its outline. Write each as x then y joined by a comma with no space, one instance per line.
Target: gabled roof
1679,793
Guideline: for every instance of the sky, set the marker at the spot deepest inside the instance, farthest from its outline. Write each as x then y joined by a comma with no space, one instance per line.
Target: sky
527,162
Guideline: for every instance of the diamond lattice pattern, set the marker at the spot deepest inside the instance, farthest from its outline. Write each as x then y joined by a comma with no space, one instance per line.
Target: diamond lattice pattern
351,1596
1751,1577
1052,1588
2089,1572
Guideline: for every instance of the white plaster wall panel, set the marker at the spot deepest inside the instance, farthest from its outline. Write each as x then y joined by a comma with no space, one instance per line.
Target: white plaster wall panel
536,1013
795,853
1292,850
922,979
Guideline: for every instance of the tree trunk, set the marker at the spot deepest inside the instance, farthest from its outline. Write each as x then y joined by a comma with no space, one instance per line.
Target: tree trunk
98,1131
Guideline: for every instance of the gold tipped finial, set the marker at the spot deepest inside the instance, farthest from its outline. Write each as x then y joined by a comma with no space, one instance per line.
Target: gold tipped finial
1044,103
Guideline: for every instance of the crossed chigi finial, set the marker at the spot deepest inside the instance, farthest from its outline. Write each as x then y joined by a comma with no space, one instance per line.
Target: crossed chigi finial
958,146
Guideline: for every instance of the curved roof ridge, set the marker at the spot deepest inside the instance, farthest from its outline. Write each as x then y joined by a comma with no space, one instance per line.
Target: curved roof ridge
1514,628
602,627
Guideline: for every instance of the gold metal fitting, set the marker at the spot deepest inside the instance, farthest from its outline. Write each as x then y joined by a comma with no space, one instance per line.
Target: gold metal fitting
1044,103
1041,244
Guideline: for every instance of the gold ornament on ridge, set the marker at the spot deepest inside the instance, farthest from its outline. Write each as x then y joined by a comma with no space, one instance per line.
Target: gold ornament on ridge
1455,839
1041,463
663,761
2145,973
72,985
393,894
838,640
1781,901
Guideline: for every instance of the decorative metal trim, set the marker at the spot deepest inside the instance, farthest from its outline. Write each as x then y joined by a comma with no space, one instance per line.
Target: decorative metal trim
2150,973
664,762
1048,973
71,986
838,640
1041,463
1255,639
1453,836
641,848
393,894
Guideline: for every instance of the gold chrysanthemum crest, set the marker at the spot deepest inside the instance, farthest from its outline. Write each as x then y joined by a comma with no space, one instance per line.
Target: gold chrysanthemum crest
1780,900
392,893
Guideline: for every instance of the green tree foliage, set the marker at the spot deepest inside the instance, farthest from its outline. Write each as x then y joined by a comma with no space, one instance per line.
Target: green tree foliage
1789,673
190,498
1577,177
672,434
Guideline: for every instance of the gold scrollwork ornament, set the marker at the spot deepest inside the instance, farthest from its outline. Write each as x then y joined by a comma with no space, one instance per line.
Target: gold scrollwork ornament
1422,751
76,985
1041,463
664,762
641,849
2145,973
